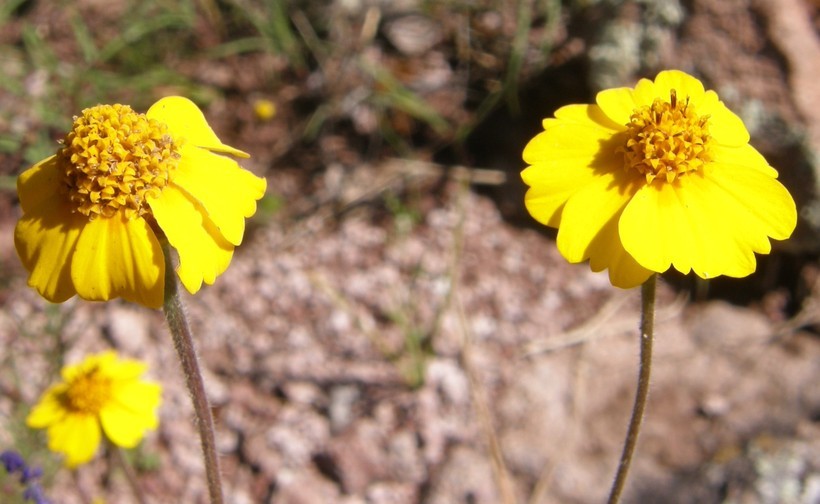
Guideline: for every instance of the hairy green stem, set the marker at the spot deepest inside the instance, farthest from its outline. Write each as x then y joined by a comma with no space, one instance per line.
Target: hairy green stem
184,344
647,335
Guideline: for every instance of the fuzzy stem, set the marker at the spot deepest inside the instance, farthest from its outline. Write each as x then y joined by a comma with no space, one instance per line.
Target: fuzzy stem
184,344
647,335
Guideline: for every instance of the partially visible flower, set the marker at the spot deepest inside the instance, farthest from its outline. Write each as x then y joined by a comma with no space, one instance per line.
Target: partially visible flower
101,394
95,212
30,474
35,494
658,176
13,462
264,109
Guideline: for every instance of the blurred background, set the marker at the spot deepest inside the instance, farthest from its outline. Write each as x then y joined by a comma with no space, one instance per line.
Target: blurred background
395,328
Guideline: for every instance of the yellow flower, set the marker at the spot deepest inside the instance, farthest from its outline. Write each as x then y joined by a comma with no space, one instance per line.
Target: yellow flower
93,213
100,392
656,176
264,109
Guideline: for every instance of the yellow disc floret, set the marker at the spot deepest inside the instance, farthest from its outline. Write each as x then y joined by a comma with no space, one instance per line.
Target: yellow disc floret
113,158
87,392
667,140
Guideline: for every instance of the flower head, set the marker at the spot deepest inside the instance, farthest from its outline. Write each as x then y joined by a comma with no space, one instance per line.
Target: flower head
102,393
94,213
655,176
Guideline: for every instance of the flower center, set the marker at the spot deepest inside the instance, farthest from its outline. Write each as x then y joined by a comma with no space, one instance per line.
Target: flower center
88,392
113,158
667,140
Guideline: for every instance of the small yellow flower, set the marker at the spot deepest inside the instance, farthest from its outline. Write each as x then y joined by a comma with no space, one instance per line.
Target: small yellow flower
102,392
656,176
93,213
264,109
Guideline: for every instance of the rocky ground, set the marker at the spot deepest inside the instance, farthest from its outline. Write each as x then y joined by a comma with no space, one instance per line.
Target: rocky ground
400,332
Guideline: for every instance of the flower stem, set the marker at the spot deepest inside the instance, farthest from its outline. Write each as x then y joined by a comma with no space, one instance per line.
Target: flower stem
130,474
647,335
184,344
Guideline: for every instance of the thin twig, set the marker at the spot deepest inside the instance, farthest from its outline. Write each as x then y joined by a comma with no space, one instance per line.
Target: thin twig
568,437
482,409
477,391
610,320
130,474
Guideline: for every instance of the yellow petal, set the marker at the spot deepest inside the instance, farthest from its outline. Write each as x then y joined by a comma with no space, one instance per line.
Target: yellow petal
645,93
685,86
77,437
588,211
185,121
588,115
226,191
47,233
545,202
607,252
724,125
711,224
744,156
625,272
39,185
125,370
119,426
45,249
102,361
117,257
729,245
552,185
49,409
131,412
618,104
565,158
142,397
565,144
204,253
657,229
763,205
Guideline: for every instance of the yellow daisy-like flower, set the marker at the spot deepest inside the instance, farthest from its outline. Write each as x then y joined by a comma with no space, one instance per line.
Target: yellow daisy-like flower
93,214
102,392
656,176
